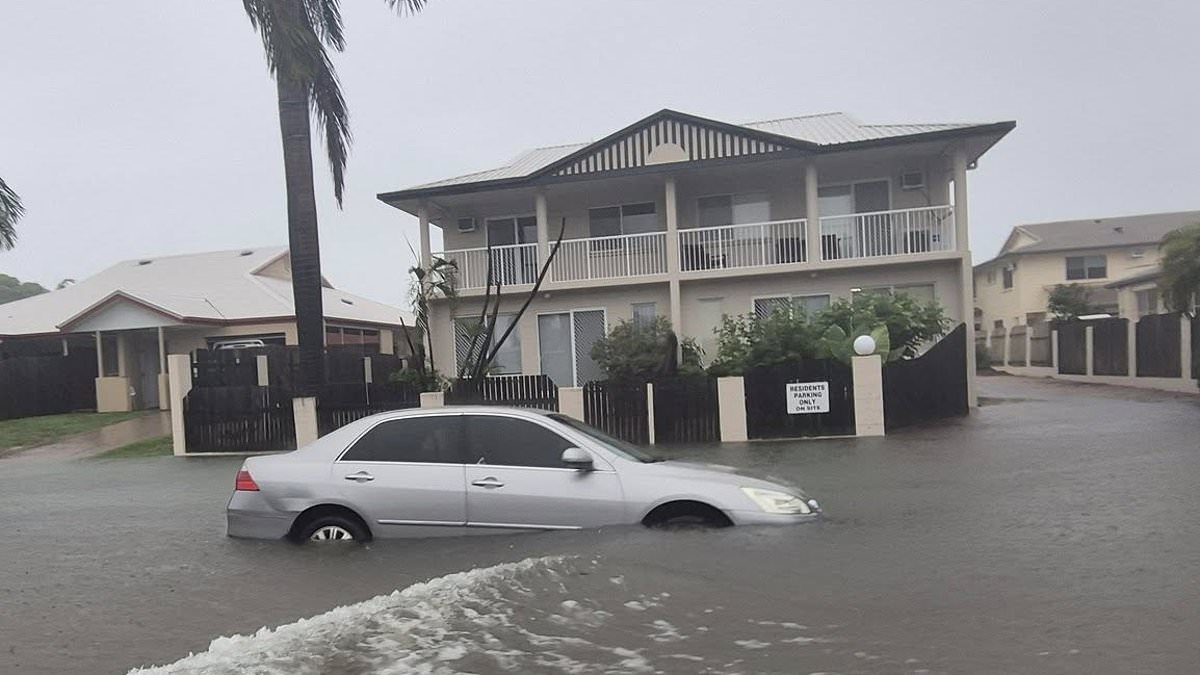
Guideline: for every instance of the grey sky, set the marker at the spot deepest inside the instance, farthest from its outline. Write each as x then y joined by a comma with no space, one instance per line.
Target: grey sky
150,127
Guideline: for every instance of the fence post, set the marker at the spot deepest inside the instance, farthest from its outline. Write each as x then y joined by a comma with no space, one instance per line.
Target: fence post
1054,349
1007,345
263,370
368,377
179,383
304,409
1131,352
1028,346
731,406
433,399
1185,347
570,402
650,409
1089,349
868,395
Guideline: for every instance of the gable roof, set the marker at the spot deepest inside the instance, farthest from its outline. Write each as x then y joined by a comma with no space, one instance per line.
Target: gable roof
699,138
1066,235
215,288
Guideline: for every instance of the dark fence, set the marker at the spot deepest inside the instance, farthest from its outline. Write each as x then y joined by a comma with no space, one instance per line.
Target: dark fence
1158,346
1016,347
522,391
1039,345
929,387
1110,346
685,410
238,418
767,400
617,409
1196,347
340,403
239,367
1072,348
47,385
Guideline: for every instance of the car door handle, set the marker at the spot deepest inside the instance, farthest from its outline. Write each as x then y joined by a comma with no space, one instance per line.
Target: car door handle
361,477
489,482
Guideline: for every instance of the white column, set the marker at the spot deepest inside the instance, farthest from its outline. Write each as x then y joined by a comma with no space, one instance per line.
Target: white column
650,409
570,402
1007,345
1131,342
179,383
961,218
263,369
673,257
1054,349
121,355
731,406
1185,348
543,226
1028,344
304,409
868,395
433,399
162,352
423,224
1089,349
967,277
99,355
812,211
164,384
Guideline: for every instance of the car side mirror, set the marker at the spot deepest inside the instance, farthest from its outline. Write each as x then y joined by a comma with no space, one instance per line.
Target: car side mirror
578,459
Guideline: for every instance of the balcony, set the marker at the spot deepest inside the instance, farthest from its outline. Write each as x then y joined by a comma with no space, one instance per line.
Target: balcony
778,242
887,233
511,265
615,257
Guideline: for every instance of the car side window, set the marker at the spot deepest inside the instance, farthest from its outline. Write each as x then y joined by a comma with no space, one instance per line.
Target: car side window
433,440
509,441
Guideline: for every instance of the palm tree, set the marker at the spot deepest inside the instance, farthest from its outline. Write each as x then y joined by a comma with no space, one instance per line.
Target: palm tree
11,211
296,37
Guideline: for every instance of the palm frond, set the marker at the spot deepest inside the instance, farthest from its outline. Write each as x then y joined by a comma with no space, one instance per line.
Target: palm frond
330,113
11,211
406,6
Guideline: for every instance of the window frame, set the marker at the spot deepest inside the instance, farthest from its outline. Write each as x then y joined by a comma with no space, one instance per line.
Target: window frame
732,196
470,418
791,298
891,288
341,458
621,219
516,334
1008,278
1087,266
571,312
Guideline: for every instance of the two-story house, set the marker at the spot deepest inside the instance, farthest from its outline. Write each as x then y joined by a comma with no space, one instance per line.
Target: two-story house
692,219
1101,254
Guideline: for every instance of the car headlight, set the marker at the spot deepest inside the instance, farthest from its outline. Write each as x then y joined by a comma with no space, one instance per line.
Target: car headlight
773,501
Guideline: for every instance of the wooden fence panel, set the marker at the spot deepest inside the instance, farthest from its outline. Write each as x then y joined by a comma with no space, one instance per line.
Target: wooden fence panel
1072,348
340,403
931,386
1110,346
238,418
1158,346
618,410
766,400
685,410
521,391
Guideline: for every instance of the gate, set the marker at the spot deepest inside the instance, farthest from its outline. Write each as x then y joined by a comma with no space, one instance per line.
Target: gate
617,409
1158,346
238,418
1039,345
1110,346
1072,348
929,387
685,410
766,400
521,391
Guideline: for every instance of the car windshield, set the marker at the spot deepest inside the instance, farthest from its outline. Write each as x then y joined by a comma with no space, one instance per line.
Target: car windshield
622,448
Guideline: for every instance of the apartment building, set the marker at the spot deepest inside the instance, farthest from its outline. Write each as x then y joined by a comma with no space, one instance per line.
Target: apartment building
1115,259
694,218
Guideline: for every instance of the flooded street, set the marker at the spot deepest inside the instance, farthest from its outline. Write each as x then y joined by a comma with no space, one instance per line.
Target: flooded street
1055,531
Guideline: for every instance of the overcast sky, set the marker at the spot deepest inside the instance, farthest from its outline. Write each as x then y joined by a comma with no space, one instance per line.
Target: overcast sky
149,127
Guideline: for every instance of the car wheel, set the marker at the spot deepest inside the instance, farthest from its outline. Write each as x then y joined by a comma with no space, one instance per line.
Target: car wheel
686,516
332,529
689,521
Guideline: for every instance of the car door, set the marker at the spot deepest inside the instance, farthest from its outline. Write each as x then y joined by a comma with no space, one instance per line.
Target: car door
515,478
406,472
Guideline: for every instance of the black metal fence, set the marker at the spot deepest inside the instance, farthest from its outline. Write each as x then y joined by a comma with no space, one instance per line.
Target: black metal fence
238,418
47,385
767,401
521,391
1158,346
239,367
1110,346
1039,345
929,387
686,410
340,403
1072,348
618,409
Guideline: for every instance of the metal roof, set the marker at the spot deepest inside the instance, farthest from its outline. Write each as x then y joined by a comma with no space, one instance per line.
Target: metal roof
1145,229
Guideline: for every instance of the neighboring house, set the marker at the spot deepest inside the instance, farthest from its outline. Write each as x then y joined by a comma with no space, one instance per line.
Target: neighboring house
135,313
1014,287
693,219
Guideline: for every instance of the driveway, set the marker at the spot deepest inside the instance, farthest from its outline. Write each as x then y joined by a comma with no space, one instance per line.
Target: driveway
1054,531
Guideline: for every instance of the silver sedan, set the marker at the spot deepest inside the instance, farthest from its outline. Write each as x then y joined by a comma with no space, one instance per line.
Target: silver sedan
461,470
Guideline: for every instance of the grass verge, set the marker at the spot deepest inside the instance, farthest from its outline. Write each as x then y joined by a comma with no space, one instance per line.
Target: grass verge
27,432
151,447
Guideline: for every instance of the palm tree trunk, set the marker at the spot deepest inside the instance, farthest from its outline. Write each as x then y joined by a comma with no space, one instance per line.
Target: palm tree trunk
302,232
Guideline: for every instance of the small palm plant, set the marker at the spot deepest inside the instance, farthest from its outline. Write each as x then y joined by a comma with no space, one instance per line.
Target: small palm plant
11,211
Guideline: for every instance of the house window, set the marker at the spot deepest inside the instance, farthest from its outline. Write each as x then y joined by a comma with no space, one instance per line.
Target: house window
1147,302
1008,277
740,209
468,331
923,293
998,324
565,341
611,221
112,360
991,276
809,304
1087,267
363,340
644,314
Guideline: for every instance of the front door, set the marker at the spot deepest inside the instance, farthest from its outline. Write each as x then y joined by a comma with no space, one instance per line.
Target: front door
406,472
147,384
516,479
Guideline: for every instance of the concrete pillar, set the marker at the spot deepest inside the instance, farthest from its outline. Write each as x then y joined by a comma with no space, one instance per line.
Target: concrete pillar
423,224
570,402
731,406
264,370
1089,349
164,401
676,313
179,376
961,218
121,360
1028,344
433,399
1054,349
868,395
304,409
967,276
812,212
650,409
1131,341
1007,344
99,354
1185,347
542,211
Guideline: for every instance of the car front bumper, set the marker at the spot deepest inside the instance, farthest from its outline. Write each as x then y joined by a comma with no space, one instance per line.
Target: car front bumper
761,518
248,516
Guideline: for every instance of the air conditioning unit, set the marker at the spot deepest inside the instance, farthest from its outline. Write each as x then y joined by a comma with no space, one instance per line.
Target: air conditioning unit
466,224
1137,253
913,180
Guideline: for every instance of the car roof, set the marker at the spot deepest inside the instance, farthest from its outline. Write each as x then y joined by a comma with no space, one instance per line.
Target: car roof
504,409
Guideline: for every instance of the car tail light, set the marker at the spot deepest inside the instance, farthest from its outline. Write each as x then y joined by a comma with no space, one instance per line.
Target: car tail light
245,482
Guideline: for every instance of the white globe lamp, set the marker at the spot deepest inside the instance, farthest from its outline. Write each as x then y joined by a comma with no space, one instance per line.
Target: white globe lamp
864,345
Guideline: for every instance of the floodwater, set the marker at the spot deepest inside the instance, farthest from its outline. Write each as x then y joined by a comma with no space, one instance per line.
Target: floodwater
1055,531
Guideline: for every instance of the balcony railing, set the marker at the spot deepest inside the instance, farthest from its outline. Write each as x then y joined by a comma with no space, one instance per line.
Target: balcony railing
624,255
884,233
778,242
511,265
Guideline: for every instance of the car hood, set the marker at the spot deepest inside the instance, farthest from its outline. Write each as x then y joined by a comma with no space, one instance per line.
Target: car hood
720,473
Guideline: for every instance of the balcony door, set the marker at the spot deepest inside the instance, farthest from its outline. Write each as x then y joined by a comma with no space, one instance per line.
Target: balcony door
845,236
512,264
565,341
